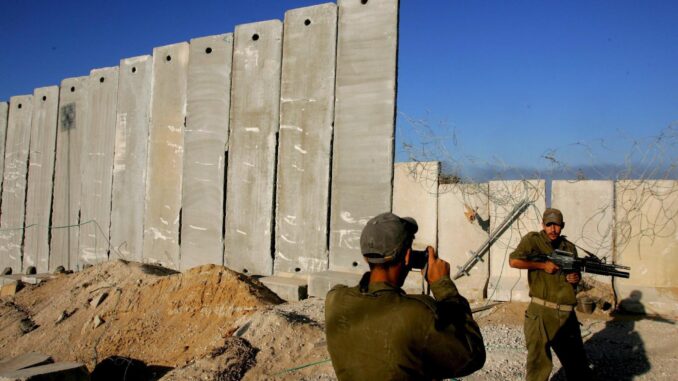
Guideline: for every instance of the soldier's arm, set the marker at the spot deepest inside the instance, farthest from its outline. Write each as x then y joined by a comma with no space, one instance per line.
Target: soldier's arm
518,259
454,345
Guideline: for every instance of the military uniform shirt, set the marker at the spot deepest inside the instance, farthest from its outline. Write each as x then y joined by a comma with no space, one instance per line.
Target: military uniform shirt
377,332
551,287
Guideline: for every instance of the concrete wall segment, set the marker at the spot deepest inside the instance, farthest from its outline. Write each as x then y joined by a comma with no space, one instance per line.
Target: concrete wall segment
362,159
415,194
306,116
98,143
255,106
205,142
165,155
647,241
130,157
4,111
40,175
15,182
460,237
73,110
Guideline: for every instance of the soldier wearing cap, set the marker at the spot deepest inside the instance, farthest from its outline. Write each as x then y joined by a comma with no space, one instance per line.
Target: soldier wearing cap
550,321
377,332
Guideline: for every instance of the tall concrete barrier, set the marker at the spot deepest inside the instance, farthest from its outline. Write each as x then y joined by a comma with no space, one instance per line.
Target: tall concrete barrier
205,144
507,283
255,111
588,211
362,158
461,233
306,115
415,194
129,160
40,174
4,109
14,182
647,241
97,166
73,102
165,155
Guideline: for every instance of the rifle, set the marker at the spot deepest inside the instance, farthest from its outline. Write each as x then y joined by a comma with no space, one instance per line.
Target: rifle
567,263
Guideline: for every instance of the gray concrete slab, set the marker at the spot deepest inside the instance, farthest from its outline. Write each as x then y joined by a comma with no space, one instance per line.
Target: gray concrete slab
506,283
130,157
322,282
459,237
415,194
60,371
205,143
165,155
4,111
73,111
25,360
255,109
14,183
647,241
287,288
40,176
96,166
304,151
362,158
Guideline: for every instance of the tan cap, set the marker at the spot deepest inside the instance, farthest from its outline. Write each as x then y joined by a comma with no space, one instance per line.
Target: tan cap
553,216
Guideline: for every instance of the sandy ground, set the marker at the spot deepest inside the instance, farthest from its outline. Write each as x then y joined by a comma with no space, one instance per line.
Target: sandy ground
211,323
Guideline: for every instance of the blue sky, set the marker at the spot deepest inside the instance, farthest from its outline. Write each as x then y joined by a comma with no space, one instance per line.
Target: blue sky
495,82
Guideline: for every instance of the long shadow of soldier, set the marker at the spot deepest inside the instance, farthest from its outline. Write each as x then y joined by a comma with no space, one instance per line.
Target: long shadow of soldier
618,352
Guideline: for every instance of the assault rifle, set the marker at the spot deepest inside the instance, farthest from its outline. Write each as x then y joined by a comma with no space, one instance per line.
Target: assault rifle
589,264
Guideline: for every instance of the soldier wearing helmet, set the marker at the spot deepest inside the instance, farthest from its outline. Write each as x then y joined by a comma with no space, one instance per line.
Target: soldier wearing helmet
375,331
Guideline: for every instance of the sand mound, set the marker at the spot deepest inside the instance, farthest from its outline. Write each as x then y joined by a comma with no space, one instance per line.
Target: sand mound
144,312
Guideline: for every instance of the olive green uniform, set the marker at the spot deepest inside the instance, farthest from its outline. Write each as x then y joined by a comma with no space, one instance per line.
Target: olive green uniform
377,332
551,327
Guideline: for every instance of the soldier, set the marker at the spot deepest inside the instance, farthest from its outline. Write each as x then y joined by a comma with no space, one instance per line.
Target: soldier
377,332
550,321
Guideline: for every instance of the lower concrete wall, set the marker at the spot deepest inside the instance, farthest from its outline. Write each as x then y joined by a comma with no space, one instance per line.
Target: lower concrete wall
460,236
647,241
415,194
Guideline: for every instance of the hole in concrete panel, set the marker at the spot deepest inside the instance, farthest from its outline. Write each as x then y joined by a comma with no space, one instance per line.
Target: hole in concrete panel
208,50
255,37
168,58
307,22
363,2
20,105
72,89
134,69
44,98
244,271
102,79
296,269
355,264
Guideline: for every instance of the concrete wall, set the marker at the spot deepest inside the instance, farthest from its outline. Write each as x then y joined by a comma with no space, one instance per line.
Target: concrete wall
14,181
40,174
647,241
459,237
415,194
362,158
304,151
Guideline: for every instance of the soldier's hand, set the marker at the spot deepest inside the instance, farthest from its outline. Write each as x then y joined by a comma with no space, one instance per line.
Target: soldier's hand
437,268
550,267
573,278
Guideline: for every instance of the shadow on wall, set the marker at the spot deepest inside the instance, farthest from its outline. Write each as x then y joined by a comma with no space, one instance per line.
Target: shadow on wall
618,351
